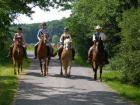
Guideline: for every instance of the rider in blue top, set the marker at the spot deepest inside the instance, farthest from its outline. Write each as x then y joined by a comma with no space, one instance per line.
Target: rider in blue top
43,30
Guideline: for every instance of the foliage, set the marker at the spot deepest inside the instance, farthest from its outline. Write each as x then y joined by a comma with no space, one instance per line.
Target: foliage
130,49
55,39
54,27
10,9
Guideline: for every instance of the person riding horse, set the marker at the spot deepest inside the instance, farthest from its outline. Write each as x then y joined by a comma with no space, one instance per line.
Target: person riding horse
43,30
17,35
97,36
64,36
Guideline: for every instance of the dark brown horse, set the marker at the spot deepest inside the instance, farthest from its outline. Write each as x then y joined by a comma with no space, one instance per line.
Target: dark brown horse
66,58
97,57
42,54
17,55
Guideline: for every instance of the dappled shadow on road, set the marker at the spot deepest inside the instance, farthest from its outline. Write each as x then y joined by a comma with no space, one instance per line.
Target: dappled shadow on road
36,94
73,77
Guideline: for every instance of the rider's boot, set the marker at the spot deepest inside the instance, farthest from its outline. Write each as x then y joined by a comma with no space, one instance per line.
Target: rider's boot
73,53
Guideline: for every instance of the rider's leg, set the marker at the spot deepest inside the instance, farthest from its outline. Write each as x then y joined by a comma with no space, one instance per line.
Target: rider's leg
35,51
24,51
73,53
89,54
48,51
106,57
52,51
60,49
10,51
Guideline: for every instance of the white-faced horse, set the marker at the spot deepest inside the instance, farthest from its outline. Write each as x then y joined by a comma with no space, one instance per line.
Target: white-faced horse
66,58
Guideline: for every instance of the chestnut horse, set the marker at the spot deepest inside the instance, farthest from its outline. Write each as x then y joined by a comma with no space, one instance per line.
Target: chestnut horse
97,57
66,58
42,54
17,54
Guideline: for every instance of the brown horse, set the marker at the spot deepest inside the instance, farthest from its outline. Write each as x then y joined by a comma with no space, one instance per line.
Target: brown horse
66,58
42,54
97,57
17,54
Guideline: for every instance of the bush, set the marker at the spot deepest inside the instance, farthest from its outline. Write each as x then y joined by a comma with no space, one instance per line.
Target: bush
130,49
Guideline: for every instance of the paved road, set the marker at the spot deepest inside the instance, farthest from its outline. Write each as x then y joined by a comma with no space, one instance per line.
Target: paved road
54,89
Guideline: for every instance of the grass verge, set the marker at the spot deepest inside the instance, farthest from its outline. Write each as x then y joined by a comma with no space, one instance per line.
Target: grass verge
131,92
79,61
9,82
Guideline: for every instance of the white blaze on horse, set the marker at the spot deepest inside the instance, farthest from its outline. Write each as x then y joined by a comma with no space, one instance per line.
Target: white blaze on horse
66,58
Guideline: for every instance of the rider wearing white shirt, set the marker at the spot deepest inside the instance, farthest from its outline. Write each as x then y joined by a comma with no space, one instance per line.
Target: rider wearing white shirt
98,34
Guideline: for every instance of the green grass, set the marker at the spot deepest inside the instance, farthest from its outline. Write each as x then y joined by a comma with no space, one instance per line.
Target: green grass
78,60
30,47
131,92
8,83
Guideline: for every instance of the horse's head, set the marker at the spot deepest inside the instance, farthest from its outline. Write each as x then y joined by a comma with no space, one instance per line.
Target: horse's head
18,40
43,38
98,44
67,43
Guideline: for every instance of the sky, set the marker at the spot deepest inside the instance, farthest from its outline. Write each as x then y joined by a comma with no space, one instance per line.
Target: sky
42,16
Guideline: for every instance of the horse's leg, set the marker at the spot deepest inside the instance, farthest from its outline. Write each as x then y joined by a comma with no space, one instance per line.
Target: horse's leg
61,73
69,73
44,68
14,65
101,73
65,68
47,65
69,68
95,67
15,69
41,66
18,64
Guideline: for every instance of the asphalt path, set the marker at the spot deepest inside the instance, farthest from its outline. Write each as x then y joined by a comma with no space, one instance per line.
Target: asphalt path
79,89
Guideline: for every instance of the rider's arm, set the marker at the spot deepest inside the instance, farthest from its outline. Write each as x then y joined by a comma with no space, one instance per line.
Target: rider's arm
14,37
104,37
38,34
61,39
23,38
93,38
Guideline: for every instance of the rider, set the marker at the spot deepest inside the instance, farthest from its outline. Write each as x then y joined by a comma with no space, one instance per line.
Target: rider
24,45
64,36
43,30
98,34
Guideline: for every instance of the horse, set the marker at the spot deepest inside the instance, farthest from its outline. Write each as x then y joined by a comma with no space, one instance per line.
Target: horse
17,55
66,58
42,54
97,57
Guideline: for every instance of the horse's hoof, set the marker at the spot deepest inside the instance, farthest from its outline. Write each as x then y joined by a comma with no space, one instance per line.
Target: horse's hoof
95,79
69,76
61,73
